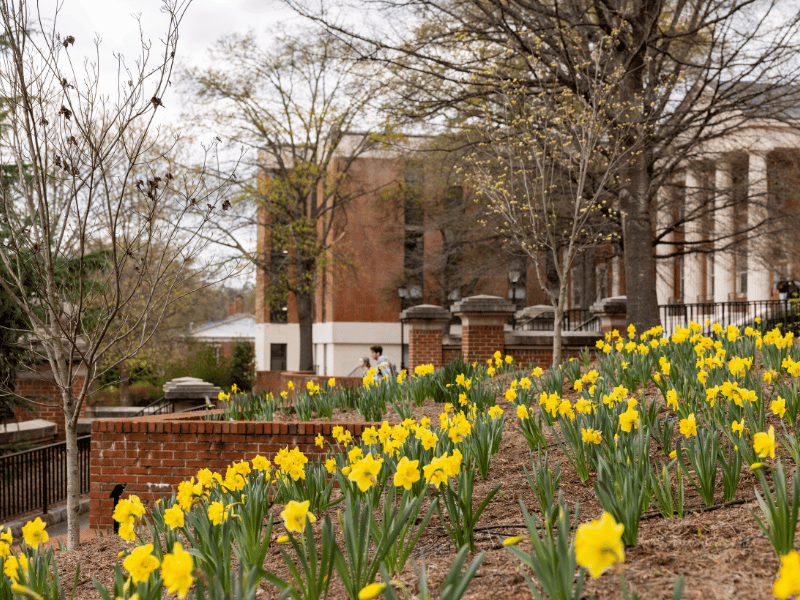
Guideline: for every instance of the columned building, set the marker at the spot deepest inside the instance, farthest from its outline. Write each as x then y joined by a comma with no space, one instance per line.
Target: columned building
736,208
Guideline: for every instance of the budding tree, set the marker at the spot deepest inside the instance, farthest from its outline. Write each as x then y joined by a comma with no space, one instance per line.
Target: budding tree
86,254
547,165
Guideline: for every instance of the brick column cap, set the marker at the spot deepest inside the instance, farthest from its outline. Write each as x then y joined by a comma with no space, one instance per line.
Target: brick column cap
483,304
425,312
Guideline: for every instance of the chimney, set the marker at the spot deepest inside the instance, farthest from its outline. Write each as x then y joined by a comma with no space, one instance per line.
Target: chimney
236,307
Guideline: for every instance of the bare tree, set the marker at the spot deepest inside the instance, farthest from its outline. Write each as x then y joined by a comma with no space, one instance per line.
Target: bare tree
679,59
303,108
549,171
92,265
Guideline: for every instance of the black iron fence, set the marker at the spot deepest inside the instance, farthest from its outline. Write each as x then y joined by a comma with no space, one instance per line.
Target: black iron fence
35,479
740,314
575,319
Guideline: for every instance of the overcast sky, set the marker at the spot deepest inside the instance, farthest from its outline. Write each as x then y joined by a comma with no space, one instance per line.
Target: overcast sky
114,21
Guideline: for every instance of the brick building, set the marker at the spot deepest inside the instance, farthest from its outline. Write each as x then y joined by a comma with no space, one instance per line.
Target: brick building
391,234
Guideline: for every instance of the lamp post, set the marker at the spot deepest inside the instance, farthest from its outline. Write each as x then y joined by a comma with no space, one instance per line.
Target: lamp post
513,277
402,292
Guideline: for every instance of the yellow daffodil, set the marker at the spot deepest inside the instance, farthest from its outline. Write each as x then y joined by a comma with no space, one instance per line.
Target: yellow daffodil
13,565
788,582
174,517
371,591
34,534
294,516
764,443
688,426
591,436
778,407
140,563
407,473
513,541
628,419
598,544
365,472
176,571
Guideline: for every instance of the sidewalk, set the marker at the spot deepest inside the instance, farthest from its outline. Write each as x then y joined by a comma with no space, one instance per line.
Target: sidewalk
56,519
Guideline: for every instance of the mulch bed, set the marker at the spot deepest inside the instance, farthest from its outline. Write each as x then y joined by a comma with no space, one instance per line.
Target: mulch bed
721,552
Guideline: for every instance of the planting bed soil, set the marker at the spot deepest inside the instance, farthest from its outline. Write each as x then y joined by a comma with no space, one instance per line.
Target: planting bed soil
720,550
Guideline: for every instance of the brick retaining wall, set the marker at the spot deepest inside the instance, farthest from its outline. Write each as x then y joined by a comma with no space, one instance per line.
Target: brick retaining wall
153,454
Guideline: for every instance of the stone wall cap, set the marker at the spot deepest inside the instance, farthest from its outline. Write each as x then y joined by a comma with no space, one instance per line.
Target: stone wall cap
190,387
536,311
483,304
615,304
426,312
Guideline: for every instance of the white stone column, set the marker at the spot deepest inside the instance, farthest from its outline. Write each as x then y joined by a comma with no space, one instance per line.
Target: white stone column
758,272
665,283
692,263
724,228
616,277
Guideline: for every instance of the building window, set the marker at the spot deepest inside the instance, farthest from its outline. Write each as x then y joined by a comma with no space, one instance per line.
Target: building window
601,276
277,357
681,277
517,283
741,276
414,215
710,278
278,312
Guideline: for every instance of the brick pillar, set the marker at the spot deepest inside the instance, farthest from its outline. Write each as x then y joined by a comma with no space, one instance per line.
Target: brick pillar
483,319
612,312
425,324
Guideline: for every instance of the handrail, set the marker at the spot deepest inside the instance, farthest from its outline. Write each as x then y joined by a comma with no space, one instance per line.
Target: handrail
144,411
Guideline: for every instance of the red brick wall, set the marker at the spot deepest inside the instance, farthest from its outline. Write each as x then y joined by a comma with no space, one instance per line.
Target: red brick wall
450,353
36,386
152,455
267,381
540,356
425,347
479,342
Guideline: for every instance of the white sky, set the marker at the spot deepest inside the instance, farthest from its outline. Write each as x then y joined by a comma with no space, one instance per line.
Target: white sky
204,23
114,21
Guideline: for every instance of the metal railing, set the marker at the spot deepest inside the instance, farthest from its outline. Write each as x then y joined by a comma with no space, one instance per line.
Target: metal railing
575,319
162,406
34,479
739,314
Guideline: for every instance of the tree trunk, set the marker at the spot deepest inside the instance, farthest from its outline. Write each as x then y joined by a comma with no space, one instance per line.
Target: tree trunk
73,474
558,325
305,318
124,385
640,263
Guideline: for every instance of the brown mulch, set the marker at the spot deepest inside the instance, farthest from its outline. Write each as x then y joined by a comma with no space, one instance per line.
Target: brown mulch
721,553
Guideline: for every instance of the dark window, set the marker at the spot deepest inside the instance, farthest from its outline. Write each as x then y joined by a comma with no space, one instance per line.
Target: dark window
414,247
277,357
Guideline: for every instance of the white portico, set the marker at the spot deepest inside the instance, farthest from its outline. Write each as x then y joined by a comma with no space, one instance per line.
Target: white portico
737,204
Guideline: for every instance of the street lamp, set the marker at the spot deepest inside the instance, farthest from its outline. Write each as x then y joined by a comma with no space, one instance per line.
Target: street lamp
402,292
513,277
